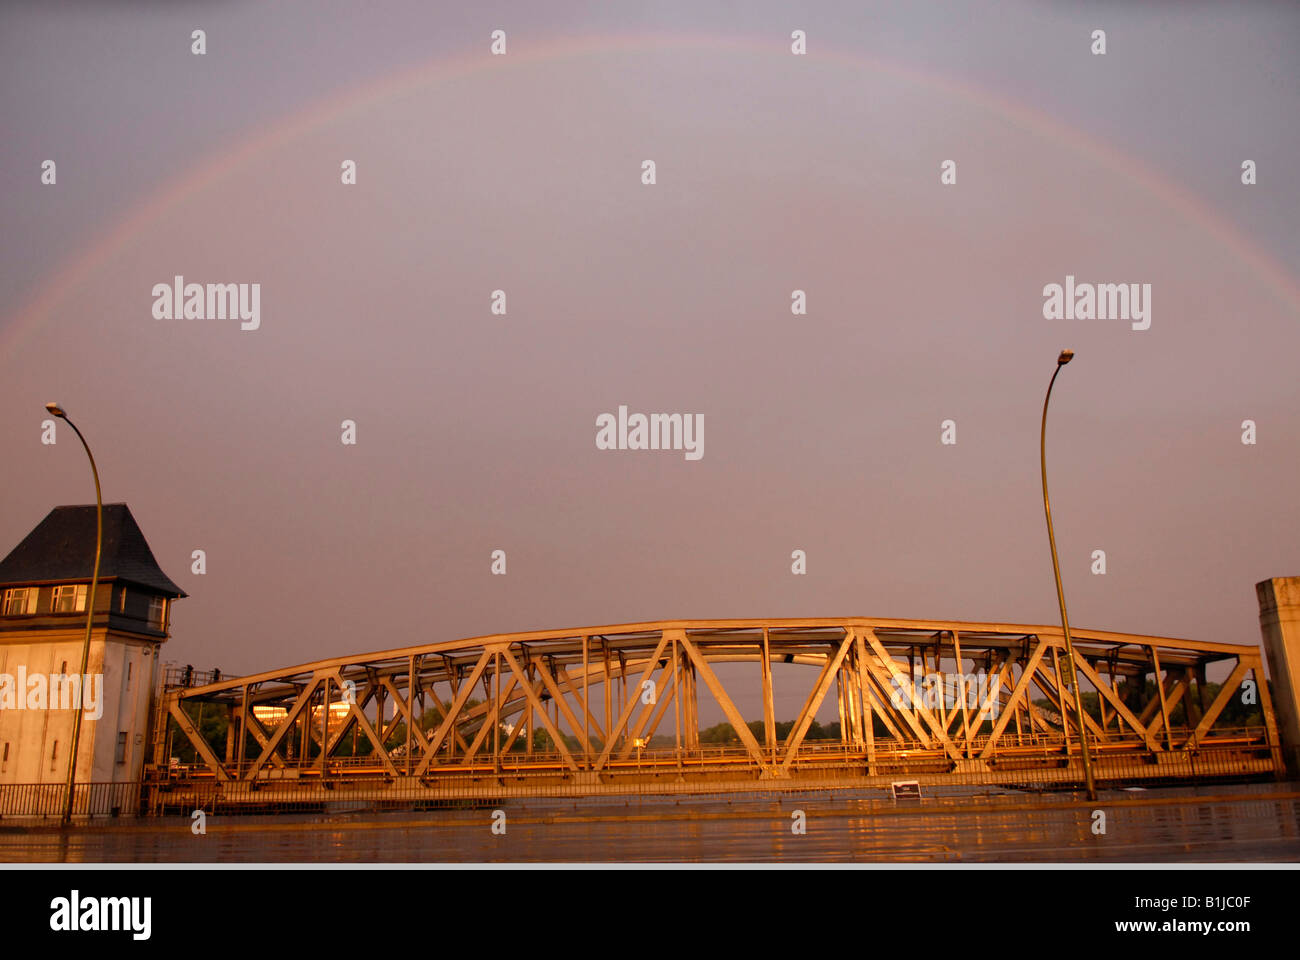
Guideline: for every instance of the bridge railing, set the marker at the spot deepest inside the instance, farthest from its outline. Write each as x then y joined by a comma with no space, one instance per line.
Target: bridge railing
1017,760
46,801
177,677
1010,747
474,790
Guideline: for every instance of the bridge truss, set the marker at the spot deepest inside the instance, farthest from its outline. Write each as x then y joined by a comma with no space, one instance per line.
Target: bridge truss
941,702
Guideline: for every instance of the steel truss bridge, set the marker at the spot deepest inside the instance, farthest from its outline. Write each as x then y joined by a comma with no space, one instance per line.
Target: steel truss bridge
619,705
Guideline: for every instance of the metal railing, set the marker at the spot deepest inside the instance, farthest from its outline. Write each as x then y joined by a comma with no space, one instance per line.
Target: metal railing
174,676
1034,764
46,800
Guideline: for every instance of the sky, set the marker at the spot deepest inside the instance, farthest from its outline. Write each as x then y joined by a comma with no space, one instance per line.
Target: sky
774,172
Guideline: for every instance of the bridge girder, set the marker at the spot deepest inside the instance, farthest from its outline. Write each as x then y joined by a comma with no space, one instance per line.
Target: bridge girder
446,711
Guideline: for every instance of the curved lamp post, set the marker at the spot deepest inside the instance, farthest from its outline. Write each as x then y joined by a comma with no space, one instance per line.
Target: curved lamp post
1072,675
58,411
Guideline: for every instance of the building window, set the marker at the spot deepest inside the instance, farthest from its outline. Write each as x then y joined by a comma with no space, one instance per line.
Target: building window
19,600
130,668
69,598
54,756
121,748
6,756
158,612
121,600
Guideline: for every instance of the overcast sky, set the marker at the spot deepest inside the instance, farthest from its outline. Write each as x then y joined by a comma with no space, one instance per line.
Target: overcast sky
775,172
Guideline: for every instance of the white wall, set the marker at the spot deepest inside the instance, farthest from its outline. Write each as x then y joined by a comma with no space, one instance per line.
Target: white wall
31,734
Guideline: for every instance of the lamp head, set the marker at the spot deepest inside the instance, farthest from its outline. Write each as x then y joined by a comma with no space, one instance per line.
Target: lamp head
57,410
1065,357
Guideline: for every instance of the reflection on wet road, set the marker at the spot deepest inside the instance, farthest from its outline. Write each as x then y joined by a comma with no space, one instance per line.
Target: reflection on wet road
1259,822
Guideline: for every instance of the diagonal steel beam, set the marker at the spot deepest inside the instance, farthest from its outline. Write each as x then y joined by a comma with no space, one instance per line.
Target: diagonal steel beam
1224,695
1047,680
196,740
1121,708
557,698
359,717
814,701
404,710
888,662
671,681
299,704
346,726
631,703
733,715
1174,696
1000,678
570,683
259,732
883,706
442,709
489,724
1018,693
556,737
449,720
1151,711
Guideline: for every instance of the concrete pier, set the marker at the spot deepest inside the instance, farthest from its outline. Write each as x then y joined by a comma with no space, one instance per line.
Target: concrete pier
1279,621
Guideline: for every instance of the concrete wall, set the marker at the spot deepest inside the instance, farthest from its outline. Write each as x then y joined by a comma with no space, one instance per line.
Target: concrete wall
129,668
1279,621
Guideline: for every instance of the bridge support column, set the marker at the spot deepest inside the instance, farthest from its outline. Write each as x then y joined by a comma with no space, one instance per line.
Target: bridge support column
1279,622
769,710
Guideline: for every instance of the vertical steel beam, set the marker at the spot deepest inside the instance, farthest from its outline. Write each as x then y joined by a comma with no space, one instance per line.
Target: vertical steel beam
701,665
496,713
868,721
586,710
410,713
839,702
829,669
449,720
243,735
609,692
324,725
961,693
530,719
230,733
646,673
1060,701
677,704
551,728
769,707
1160,688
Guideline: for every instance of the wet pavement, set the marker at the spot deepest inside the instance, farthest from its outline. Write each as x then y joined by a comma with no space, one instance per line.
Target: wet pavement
1242,823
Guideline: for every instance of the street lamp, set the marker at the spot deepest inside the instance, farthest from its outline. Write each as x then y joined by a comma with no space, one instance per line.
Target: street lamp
59,412
1072,674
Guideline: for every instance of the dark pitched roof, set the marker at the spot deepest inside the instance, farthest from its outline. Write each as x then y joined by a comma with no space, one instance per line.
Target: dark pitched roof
62,547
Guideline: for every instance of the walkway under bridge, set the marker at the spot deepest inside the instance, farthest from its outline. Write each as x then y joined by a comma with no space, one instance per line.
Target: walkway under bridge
615,710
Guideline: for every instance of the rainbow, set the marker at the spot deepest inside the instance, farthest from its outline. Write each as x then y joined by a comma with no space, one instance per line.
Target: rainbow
42,304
